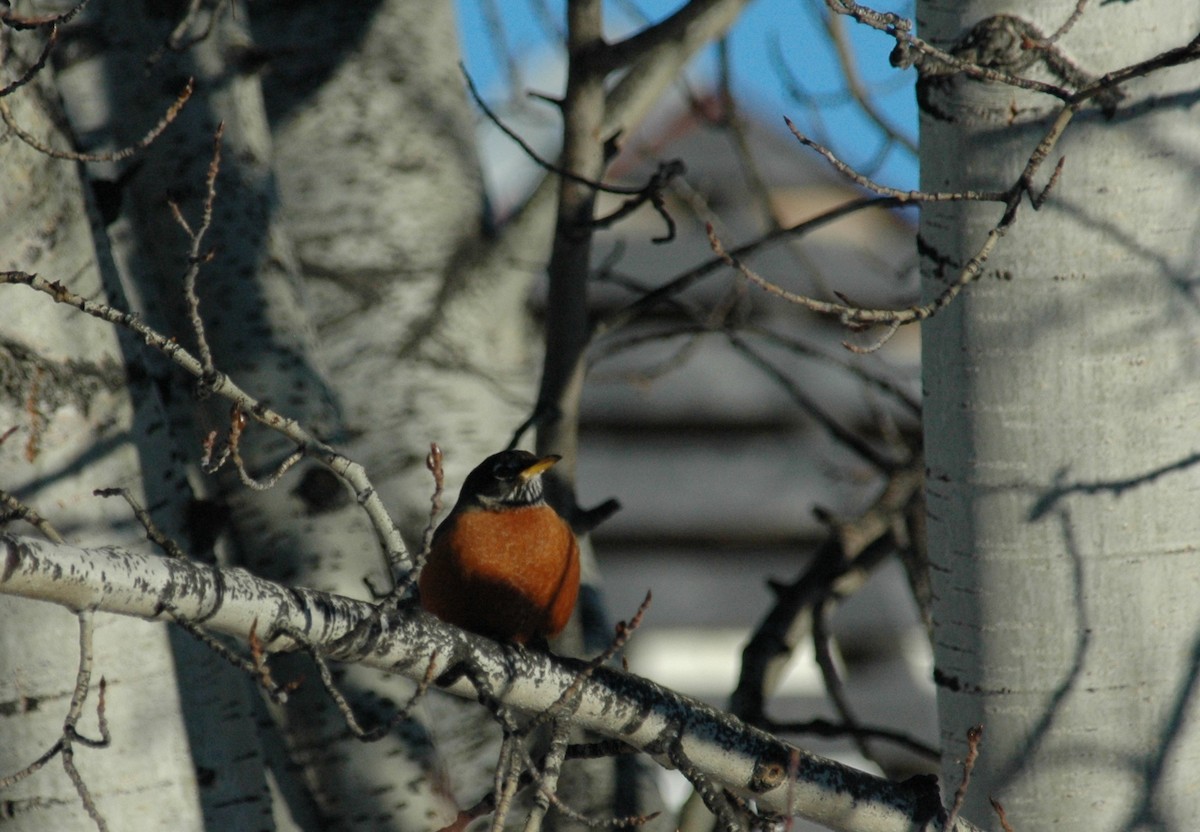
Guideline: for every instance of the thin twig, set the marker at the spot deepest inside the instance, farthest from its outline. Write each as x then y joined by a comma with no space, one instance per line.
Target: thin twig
871,377
70,734
238,422
178,40
156,535
403,580
974,735
13,20
195,258
1069,23
1000,815
534,156
686,280
627,822
892,318
351,472
548,775
834,688
905,197
114,156
912,50
34,68
650,192
507,778
854,83
253,667
832,426
623,632
18,509
825,728
343,705
716,800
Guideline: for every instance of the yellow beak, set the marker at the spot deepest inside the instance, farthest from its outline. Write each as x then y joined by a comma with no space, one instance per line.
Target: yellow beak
543,464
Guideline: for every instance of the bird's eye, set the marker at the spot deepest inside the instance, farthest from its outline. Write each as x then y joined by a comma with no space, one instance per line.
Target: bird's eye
504,470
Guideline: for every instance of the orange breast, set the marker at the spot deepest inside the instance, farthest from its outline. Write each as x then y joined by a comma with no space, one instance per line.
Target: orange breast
511,574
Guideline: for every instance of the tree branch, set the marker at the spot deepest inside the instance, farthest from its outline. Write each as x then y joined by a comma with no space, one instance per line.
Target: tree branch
640,713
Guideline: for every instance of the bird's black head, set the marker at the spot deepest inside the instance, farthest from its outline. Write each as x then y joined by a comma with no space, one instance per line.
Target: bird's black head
509,478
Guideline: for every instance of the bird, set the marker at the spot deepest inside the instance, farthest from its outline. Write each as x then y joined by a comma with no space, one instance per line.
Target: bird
504,563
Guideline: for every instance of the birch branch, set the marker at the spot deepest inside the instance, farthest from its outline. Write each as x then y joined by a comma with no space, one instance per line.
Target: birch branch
634,710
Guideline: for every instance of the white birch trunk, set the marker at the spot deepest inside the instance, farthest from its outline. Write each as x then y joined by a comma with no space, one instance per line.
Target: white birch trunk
1061,435
257,322
83,423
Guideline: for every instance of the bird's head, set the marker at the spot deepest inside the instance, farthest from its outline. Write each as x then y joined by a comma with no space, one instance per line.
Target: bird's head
509,478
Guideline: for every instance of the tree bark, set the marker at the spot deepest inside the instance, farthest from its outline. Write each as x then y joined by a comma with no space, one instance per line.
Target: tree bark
88,416
1060,432
674,729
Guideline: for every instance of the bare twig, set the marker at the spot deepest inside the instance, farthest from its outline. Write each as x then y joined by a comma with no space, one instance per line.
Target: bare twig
508,775
530,776
825,728
666,34
684,281
402,579
70,734
18,509
651,192
516,770
1187,53
891,318
841,563
716,800
179,40
548,775
195,257
36,66
65,744
13,20
308,445
822,645
156,535
974,735
623,633
904,197
254,667
834,427
53,22
384,728
113,156
238,422
854,83
258,659
1000,815
871,378
1069,23
627,822
433,462
913,51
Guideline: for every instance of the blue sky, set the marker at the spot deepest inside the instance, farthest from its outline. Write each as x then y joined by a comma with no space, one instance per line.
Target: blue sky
769,31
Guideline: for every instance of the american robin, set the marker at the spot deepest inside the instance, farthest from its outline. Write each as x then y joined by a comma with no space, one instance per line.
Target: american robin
503,563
